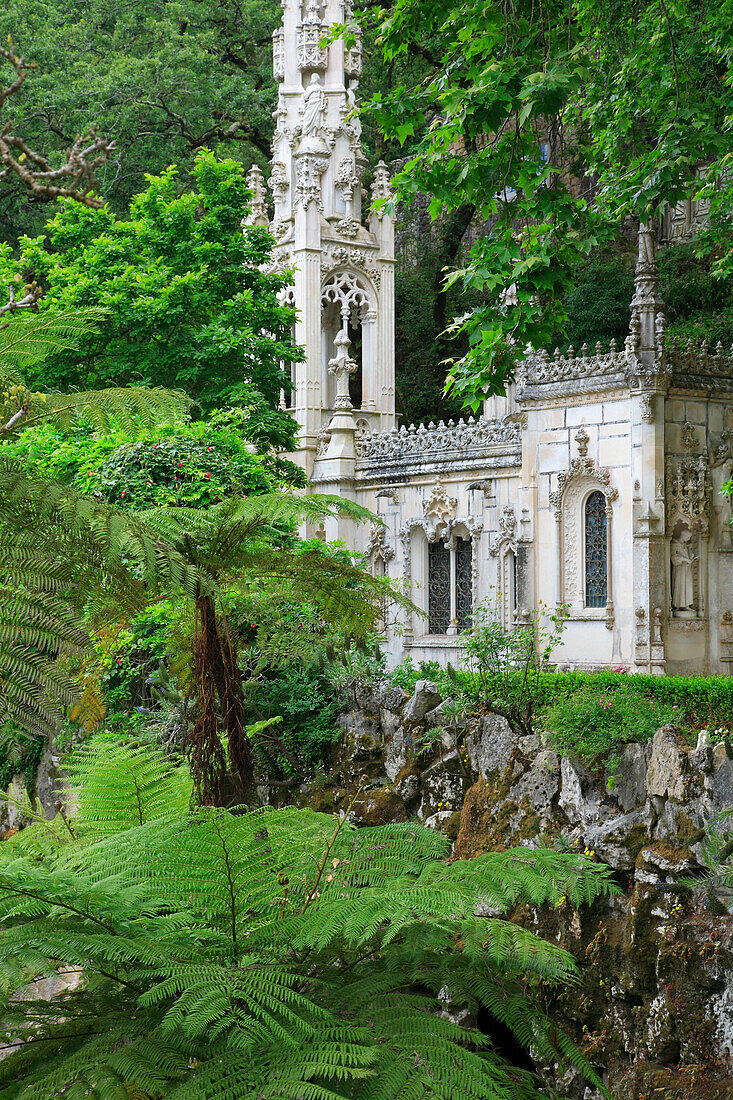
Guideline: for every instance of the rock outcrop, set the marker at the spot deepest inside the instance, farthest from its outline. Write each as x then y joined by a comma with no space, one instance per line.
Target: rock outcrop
655,1007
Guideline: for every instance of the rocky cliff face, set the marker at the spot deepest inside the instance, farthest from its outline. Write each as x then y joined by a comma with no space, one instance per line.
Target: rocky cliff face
655,1004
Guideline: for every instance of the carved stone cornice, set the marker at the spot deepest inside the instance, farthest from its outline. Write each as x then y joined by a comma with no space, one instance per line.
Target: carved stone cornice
465,445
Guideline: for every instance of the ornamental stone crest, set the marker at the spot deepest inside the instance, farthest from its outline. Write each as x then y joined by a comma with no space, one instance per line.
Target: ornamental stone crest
439,512
581,467
378,549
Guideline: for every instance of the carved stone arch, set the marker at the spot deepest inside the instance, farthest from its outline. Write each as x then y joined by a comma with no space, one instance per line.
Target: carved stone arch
351,292
348,309
575,487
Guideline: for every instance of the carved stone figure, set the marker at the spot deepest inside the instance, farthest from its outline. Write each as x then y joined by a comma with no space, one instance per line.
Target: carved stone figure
682,557
314,103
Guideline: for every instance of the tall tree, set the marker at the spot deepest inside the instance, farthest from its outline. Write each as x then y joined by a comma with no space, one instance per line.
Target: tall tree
162,79
182,294
527,105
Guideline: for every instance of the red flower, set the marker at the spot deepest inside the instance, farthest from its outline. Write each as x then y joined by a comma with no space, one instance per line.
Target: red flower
123,492
207,475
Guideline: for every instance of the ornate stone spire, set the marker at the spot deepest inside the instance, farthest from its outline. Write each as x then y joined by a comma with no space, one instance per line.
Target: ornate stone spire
342,366
258,207
647,307
338,257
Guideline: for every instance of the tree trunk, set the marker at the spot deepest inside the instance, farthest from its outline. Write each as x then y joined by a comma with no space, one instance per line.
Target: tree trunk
219,713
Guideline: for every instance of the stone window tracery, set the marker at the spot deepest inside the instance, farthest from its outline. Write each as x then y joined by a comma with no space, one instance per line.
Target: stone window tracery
347,305
463,583
583,512
596,551
439,588
450,585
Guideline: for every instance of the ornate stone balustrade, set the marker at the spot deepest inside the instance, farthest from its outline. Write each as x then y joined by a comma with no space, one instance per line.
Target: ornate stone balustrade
468,445
687,360
586,369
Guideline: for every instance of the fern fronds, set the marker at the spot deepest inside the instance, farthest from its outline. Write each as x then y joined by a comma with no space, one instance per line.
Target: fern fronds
29,338
133,410
264,955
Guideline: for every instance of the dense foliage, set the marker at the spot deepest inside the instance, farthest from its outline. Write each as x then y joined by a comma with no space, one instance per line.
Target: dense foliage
182,298
164,81
281,954
594,714
531,114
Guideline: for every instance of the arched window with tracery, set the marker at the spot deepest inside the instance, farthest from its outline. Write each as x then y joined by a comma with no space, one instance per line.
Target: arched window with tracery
439,588
450,586
346,306
596,550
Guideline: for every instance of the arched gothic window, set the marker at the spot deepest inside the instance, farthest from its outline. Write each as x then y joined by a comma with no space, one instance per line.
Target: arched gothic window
450,586
464,594
439,588
596,551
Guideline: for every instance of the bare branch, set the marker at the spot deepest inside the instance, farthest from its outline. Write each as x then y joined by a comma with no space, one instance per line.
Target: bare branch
29,300
75,178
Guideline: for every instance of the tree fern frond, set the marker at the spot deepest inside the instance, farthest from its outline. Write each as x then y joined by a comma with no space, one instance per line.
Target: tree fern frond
263,955
133,410
29,338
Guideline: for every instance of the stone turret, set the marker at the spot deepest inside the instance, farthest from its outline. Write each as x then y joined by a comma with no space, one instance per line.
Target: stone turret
343,283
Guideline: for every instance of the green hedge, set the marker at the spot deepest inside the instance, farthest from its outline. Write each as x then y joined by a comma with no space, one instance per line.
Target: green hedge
703,700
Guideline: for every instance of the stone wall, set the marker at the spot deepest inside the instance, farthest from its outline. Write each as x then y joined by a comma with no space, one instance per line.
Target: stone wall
655,1004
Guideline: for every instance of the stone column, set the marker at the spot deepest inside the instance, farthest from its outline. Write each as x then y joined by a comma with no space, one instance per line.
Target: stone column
648,384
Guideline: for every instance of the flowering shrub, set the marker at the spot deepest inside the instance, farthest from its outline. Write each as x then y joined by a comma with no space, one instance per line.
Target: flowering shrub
593,723
188,470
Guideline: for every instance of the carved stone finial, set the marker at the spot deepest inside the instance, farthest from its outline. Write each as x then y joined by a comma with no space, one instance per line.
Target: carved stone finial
582,439
381,188
342,366
257,214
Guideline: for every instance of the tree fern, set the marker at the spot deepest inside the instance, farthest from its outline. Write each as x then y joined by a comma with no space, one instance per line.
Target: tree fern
279,953
27,337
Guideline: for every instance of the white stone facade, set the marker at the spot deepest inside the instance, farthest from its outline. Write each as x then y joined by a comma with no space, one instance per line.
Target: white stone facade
568,491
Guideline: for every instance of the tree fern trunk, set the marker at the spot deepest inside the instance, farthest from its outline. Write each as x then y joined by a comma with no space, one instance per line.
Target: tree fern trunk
219,712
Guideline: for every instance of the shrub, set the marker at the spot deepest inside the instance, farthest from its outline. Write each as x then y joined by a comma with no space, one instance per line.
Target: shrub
594,723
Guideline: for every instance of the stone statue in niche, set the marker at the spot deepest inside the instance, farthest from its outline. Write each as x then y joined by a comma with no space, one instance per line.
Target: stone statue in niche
313,107
682,557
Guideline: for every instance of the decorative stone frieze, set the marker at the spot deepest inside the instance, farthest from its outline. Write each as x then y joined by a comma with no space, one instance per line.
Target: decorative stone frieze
419,440
541,369
343,255
467,445
688,493
311,56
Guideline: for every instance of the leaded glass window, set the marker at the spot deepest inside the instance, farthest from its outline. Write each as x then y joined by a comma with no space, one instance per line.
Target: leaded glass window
596,551
438,588
464,583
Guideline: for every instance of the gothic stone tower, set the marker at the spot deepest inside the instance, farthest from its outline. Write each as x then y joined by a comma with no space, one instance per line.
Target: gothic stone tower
343,277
